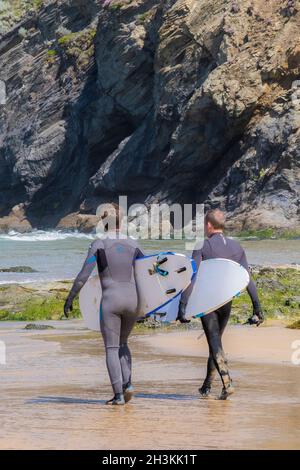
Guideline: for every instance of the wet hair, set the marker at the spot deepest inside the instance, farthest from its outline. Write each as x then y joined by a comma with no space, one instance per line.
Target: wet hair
216,218
113,216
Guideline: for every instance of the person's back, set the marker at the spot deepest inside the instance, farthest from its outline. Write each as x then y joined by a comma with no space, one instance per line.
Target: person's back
219,246
115,260
216,245
114,256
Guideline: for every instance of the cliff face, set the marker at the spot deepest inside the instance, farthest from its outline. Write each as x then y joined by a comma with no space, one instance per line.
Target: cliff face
181,101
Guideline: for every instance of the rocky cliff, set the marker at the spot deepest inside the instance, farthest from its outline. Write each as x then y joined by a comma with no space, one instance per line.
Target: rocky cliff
181,101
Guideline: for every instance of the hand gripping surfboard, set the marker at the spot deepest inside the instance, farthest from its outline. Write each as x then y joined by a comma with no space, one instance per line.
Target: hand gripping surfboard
217,282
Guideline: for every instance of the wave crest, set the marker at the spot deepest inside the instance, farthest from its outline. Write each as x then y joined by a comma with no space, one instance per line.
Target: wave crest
42,235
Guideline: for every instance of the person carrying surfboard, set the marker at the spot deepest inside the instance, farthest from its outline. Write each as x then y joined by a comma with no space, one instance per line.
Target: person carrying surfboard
114,257
216,245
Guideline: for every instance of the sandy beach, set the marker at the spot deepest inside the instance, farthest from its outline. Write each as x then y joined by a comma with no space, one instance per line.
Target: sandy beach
270,345
54,386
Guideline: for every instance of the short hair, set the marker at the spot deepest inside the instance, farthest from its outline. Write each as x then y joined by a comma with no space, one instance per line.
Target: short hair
113,215
216,218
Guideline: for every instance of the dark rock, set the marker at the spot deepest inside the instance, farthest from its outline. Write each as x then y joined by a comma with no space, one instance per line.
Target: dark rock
270,284
289,9
293,301
34,326
235,8
82,222
18,269
16,220
167,102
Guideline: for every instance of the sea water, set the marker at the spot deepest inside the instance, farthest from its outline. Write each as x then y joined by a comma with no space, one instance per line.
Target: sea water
59,255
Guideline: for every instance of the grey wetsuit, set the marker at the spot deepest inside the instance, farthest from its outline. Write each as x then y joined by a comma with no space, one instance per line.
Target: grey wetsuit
114,259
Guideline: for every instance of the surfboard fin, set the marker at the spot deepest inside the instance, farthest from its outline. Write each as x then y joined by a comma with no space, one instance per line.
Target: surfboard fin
161,314
157,269
170,291
161,261
181,270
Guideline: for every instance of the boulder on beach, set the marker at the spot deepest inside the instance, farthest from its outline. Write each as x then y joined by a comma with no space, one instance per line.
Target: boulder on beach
16,220
18,269
34,326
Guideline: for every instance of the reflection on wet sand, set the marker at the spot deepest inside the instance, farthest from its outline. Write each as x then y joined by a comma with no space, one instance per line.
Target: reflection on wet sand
55,384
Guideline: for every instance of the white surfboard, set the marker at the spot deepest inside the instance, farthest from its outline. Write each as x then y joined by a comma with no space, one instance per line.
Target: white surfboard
160,278
217,282
169,312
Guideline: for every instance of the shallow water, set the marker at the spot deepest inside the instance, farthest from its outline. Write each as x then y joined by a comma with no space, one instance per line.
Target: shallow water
54,386
58,256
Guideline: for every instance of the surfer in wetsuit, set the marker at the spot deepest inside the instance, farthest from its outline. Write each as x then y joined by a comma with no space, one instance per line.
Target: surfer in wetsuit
114,257
216,245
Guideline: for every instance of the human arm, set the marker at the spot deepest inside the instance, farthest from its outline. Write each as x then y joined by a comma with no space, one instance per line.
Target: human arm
197,256
252,291
82,277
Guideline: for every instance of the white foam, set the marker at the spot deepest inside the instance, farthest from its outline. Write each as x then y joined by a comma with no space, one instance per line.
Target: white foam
41,235
24,281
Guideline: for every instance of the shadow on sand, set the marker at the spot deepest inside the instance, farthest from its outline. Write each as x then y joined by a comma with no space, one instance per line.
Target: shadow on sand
87,401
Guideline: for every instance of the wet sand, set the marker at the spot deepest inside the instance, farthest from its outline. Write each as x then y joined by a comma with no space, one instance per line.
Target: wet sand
55,383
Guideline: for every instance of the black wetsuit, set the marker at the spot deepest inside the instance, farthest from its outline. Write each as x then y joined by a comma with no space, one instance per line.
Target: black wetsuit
219,246
114,258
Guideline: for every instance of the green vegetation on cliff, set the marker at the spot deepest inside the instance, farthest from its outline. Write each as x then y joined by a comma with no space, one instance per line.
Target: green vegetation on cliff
12,11
79,46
